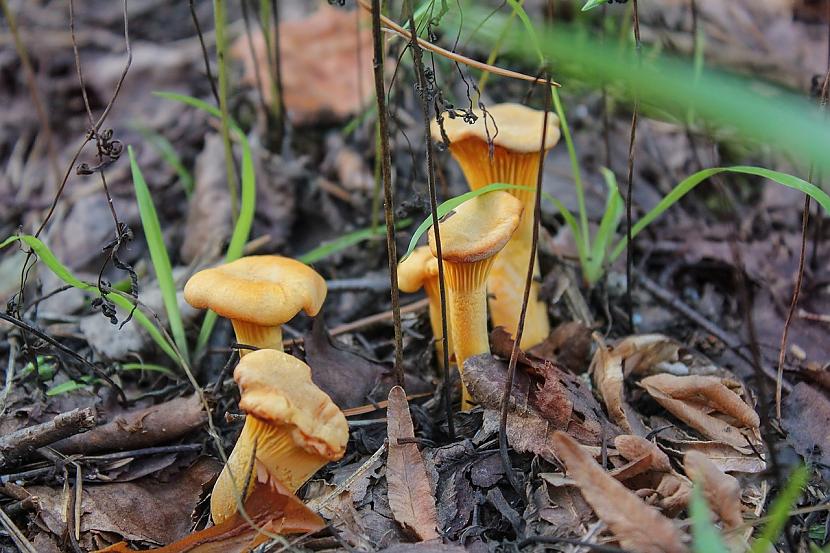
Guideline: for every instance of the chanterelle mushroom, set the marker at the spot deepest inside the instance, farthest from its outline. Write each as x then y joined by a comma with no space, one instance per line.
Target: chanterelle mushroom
471,236
292,429
258,294
418,270
515,132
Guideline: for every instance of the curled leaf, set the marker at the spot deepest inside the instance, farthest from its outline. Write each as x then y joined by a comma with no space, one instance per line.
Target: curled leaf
722,491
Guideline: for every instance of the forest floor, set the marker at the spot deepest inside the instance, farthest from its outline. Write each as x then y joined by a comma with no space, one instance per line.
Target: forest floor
712,281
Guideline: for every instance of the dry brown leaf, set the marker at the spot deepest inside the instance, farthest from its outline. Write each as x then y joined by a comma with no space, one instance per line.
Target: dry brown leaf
722,491
632,447
531,422
326,64
692,398
637,526
410,495
673,493
642,353
607,372
270,506
569,344
725,457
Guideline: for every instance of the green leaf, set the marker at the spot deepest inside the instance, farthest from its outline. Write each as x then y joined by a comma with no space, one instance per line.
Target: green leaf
687,184
152,367
242,228
779,511
705,536
614,205
452,203
158,255
347,240
66,387
60,271
591,4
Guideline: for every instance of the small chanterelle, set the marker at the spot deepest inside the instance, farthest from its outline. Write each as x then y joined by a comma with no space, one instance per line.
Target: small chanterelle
292,429
259,294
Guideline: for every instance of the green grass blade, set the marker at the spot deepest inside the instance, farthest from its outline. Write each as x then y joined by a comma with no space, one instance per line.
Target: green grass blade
158,255
59,269
608,226
779,511
247,208
705,535
449,205
687,184
347,240
168,154
152,367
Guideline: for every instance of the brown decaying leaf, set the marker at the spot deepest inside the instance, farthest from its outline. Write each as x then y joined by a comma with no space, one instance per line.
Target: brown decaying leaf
270,507
409,492
562,402
642,456
146,509
637,526
632,355
722,491
725,457
326,64
806,418
569,344
349,379
692,398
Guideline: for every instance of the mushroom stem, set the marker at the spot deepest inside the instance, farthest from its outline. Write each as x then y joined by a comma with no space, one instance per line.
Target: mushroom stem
275,451
261,337
507,279
468,313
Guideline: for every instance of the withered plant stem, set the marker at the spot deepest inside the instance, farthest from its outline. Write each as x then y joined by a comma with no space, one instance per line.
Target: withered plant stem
629,258
279,100
422,86
221,51
514,354
386,171
805,220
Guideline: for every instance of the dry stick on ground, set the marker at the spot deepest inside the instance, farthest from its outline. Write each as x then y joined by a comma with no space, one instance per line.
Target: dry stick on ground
514,354
386,163
629,258
433,205
805,219
19,445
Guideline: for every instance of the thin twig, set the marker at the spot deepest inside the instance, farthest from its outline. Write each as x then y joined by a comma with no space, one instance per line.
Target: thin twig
458,58
805,219
17,536
629,258
205,55
422,89
388,209
514,354
222,66
279,100
19,445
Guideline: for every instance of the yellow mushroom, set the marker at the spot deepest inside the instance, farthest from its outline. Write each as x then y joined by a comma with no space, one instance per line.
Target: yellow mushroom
258,294
292,430
515,132
418,270
471,236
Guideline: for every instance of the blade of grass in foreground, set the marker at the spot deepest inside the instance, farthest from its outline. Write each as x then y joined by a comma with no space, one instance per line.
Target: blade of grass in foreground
247,207
705,535
60,271
158,255
779,511
687,184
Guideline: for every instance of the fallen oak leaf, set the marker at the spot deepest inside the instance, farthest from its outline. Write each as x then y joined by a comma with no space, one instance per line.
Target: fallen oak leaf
410,495
635,525
272,509
722,491
692,398
606,371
